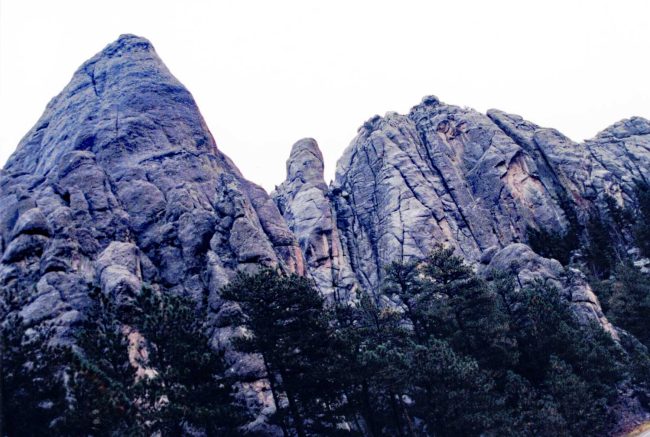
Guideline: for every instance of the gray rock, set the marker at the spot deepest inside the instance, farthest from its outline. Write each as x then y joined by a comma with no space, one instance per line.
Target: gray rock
608,165
444,174
529,267
120,181
32,221
24,246
303,200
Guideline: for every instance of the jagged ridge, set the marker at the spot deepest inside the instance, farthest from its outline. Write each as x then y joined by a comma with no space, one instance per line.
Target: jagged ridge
120,183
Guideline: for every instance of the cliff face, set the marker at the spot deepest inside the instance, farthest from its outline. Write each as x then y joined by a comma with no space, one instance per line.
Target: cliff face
121,184
453,176
442,174
305,202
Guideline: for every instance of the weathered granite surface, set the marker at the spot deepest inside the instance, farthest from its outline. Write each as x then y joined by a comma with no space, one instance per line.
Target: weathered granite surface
304,201
527,267
120,184
450,175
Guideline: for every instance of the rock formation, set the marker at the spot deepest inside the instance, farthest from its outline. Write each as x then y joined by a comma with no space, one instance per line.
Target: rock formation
120,184
443,174
304,201
528,267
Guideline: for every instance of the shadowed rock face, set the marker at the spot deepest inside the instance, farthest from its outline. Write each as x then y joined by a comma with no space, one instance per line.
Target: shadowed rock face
528,267
120,184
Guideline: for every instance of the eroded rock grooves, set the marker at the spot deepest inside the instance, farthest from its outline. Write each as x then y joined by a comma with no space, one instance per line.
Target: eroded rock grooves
121,184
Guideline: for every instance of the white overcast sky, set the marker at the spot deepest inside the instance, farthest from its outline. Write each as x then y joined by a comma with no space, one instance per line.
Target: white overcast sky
267,73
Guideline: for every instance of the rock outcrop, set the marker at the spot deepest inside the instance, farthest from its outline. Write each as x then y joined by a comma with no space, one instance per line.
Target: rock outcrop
527,267
453,176
120,184
304,201
441,174
449,175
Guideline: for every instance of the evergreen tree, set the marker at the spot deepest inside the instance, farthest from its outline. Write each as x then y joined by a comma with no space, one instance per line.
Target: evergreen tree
527,411
583,414
32,394
101,377
554,347
189,390
457,397
629,301
184,390
621,218
447,300
459,326
558,245
289,327
599,254
642,226
376,364
550,244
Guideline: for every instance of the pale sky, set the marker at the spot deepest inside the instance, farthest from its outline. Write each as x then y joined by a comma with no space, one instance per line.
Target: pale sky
267,73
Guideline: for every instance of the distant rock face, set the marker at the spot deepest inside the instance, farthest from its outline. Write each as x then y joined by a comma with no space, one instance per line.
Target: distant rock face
303,200
441,174
120,184
453,176
608,165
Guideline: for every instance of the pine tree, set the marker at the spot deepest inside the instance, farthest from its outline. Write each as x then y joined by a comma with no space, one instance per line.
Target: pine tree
101,377
32,394
642,226
189,390
558,245
600,254
551,244
458,326
629,301
185,389
457,397
445,299
584,413
376,365
289,327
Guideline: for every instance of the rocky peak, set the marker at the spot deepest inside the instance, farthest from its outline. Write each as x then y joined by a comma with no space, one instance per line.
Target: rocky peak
123,90
626,128
120,183
303,200
305,164
441,174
